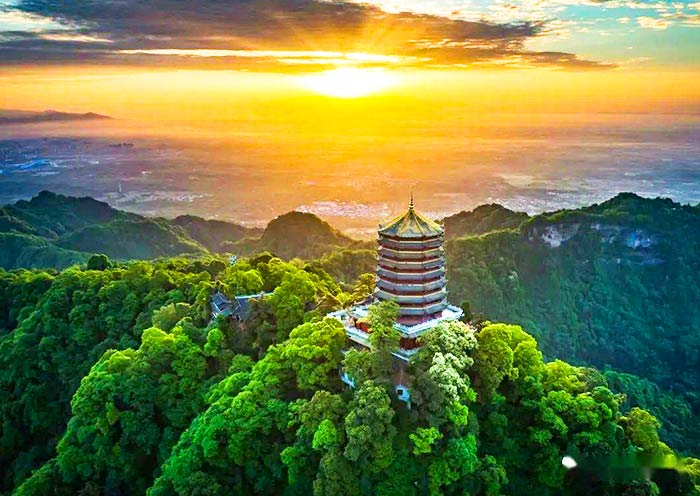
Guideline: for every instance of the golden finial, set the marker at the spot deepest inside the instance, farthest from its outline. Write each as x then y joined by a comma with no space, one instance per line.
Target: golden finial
410,204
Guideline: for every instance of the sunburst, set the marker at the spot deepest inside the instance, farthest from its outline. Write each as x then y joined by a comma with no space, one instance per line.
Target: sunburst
348,82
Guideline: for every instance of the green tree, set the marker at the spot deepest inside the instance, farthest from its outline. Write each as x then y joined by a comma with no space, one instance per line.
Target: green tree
239,443
468,314
642,429
493,359
364,287
369,429
98,262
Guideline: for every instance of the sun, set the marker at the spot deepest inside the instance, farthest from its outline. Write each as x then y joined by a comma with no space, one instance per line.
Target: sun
348,82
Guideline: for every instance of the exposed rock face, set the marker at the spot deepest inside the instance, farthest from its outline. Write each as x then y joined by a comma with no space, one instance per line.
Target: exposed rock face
640,239
632,238
555,234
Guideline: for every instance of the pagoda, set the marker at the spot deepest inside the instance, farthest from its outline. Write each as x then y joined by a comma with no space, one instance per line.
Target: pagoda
411,272
411,267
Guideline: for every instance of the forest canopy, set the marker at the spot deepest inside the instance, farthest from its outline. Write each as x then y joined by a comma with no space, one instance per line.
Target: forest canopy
116,380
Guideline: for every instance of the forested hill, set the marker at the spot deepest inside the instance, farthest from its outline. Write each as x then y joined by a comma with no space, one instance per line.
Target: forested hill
298,235
482,219
53,230
57,231
614,284
114,381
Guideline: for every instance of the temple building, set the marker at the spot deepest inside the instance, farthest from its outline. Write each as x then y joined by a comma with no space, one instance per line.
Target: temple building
238,308
411,272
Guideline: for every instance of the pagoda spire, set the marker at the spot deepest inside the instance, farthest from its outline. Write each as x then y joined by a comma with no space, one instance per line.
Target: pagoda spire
410,203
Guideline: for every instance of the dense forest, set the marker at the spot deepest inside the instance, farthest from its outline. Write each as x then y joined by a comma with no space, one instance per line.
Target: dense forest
612,285
114,379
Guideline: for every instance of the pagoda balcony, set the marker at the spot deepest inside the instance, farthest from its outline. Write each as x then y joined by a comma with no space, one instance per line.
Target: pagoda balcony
407,265
419,300
410,254
418,275
408,306
403,299
408,292
415,298
438,256
410,288
420,310
409,245
391,281
410,326
358,336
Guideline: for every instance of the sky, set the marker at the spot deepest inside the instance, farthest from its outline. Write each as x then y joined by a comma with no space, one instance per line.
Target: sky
210,60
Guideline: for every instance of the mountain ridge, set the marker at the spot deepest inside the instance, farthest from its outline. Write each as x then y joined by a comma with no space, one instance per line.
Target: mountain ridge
8,117
84,226
56,217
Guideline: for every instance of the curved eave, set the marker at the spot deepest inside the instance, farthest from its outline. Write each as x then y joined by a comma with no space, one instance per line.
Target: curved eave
428,297
424,266
410,287
407,310
411,274
411,254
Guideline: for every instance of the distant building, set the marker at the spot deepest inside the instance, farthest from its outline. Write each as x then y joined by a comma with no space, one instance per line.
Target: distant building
237,308
411,272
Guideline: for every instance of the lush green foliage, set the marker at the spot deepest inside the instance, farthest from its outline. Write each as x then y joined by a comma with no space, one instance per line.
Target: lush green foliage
67,321
29,251
679,423
113,379
127,239
50,215
64,324
214,234
347,265
20,291
130,390
609,285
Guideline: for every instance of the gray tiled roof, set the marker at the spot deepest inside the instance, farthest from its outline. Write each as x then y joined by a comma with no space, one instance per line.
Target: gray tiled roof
239,307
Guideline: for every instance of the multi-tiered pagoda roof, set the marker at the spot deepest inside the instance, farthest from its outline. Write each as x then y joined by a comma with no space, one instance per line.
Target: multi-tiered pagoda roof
410,226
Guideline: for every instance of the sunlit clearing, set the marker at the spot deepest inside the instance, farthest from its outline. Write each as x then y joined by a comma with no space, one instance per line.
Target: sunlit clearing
348,82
